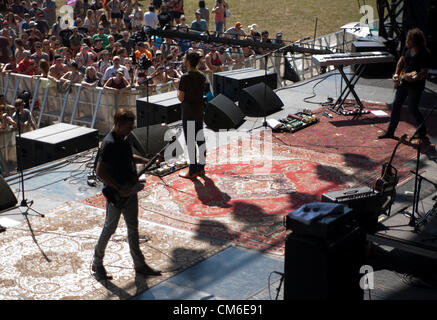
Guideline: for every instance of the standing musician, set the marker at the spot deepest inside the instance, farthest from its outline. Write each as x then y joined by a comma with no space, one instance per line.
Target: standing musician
116,169
409,79
192,87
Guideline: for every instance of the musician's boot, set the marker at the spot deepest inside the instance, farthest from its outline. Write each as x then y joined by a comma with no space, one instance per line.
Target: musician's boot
147,271
100,272
386,135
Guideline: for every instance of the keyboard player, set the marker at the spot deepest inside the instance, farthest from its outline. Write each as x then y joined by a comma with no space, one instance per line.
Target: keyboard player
409,79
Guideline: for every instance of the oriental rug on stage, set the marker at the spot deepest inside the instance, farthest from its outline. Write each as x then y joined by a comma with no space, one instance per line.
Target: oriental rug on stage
240,204
58,265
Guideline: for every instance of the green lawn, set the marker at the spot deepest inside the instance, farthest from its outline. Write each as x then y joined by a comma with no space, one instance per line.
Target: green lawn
295,18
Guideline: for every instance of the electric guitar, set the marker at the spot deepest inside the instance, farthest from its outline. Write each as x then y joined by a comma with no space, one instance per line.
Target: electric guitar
402,76
114,197
389,177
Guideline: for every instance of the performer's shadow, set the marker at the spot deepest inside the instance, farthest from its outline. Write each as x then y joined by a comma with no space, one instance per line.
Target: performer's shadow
209,194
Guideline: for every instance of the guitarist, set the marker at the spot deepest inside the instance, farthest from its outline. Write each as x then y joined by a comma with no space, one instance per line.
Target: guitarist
413,64
116,169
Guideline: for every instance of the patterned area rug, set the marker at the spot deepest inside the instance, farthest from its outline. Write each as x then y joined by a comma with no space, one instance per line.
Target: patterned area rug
246,206
58,265
237,203
356,139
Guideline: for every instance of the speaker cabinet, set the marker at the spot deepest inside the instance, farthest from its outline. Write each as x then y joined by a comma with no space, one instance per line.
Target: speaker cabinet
321,270
161,108
230,83
158,136
7,198
53,142
259,100
222,113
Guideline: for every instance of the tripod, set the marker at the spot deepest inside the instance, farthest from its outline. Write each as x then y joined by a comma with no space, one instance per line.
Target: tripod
418,177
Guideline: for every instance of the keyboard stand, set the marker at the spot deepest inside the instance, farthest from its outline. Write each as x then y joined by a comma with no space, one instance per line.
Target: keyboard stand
350,88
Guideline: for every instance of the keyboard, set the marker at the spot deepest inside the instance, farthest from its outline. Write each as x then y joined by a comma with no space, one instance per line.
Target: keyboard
346,59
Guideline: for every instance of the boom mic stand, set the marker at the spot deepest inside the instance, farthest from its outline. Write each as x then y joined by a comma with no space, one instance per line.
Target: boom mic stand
24,202
416,195
266,56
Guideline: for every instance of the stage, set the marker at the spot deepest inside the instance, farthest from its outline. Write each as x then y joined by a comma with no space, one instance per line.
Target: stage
223,237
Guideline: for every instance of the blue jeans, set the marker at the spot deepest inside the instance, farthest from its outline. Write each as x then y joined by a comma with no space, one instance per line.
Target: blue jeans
130,214
193,132
413,95
219,26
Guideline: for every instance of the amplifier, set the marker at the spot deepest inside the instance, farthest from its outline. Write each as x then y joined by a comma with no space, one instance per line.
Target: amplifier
230,83
366,202
52,143
161,108
329,227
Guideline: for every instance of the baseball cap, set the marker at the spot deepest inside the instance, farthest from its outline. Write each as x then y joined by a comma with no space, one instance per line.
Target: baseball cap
279,34
120,70
238,24
158,52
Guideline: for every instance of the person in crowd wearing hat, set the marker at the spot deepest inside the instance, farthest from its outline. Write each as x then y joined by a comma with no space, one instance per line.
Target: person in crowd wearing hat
118,83
236,31
143,47
25,22
151,19
56,27
219,15
278,39
253,31
199,24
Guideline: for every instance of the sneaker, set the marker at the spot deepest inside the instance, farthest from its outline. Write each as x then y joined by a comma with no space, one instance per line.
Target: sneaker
147,271
100,272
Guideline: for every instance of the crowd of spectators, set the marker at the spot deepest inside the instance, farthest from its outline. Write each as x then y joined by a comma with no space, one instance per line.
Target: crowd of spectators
100,45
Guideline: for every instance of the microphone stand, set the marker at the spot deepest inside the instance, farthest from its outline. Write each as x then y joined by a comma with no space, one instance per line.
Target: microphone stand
416,194
266,56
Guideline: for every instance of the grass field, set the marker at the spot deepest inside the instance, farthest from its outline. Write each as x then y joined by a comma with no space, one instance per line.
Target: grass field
295,18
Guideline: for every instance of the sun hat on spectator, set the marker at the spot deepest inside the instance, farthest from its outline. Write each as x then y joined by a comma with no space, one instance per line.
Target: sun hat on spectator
253,27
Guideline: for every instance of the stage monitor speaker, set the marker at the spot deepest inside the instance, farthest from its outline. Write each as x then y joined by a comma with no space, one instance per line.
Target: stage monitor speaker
259,100
161,108
7,198
222,113
159,136
230,83
52,143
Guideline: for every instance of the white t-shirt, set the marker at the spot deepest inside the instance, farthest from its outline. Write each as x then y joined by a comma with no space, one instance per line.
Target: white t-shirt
111,72
151,20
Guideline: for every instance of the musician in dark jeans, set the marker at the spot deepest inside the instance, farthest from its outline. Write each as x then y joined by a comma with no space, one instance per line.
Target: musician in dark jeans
192,87
409,78
116,169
